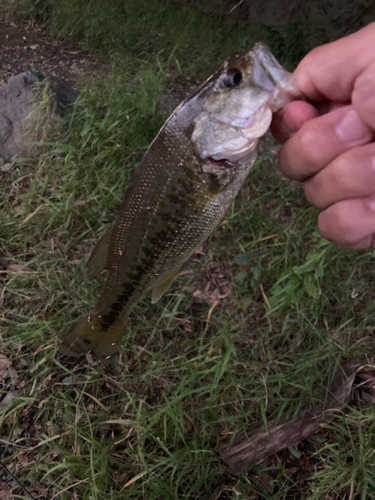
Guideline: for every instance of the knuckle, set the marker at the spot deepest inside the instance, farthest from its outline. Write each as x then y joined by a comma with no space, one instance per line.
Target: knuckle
363,97
312,58
337,176
282,162
336,225
344,227
286,161
310,193
309,143
362,90
324,227
316,193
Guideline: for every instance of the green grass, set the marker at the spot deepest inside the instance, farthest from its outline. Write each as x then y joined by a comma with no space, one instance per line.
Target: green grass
187,376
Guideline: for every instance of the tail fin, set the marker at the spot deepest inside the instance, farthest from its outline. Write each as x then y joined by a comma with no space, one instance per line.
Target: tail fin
90,336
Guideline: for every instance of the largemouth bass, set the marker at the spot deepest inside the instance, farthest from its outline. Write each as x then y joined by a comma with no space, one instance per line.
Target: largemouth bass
180,191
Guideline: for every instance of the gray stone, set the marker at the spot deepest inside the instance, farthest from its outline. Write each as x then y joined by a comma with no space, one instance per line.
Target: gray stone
26,102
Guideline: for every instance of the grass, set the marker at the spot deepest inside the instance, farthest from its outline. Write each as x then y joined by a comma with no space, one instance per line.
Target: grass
188,375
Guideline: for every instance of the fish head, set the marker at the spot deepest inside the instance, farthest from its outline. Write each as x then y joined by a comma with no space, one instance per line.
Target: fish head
249,87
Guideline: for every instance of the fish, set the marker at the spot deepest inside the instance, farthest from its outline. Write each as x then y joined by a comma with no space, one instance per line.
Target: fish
180,191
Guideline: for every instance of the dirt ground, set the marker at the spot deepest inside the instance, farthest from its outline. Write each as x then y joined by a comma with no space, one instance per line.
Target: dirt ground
28,46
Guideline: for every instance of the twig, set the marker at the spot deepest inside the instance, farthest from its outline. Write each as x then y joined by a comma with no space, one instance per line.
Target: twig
70,486
17,272
235,7
265,296
35,211
258,442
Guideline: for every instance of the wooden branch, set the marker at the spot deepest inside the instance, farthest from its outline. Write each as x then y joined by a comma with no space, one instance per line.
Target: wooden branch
256,444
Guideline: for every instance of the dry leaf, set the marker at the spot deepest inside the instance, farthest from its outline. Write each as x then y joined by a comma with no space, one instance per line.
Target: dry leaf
8,398
266,482
5,491
4,362
161,382
292,471
23,459
40,491
18,269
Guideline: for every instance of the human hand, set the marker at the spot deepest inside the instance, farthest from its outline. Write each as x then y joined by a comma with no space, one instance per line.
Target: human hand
328,141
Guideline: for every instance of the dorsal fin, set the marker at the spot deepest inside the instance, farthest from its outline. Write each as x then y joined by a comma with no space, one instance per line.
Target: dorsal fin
98,260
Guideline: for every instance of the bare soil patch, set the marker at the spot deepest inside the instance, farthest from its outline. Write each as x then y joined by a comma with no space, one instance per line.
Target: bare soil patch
28,46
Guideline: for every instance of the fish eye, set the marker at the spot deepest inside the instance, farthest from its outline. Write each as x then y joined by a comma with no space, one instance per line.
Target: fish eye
232,78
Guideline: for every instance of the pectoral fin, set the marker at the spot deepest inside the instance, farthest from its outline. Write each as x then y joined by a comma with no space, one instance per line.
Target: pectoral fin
159,290
98,260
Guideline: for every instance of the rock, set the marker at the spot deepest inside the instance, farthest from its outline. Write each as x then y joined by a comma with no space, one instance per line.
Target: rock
25,102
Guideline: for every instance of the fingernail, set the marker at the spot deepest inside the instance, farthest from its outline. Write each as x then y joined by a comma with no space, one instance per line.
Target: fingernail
351,129
372,205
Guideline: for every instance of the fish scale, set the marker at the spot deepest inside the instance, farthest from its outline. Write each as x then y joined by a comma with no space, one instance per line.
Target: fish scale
178,194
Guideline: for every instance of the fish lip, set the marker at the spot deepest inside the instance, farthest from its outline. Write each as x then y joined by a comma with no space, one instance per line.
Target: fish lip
236,156
223,163
233,161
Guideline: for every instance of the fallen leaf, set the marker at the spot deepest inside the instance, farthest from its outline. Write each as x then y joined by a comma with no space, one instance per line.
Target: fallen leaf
8,398
18,269
5,491
89,358
266,482
4,362
13,374
40,491
161,382
70,380
292,471
23,459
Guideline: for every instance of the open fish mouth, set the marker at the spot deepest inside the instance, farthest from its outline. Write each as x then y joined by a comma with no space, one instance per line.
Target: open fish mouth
234,162
227,144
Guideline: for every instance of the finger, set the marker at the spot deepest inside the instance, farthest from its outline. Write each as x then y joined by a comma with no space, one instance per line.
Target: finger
349,176
320,141
349,223
363,97
290,119
329,71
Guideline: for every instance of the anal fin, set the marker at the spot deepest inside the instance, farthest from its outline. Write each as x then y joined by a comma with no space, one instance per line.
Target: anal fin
159,290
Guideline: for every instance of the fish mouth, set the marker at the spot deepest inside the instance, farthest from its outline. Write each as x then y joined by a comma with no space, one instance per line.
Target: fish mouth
232,159
230,144
212,166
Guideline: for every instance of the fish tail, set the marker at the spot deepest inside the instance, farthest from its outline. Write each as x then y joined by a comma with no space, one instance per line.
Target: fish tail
92,336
